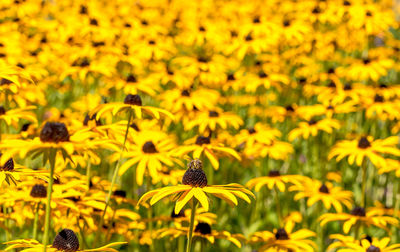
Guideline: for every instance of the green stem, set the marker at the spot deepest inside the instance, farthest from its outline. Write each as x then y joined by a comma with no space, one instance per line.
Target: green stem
363,184
84,243
114,178
150,215
190,235
278,207
52,160
35,223
88,171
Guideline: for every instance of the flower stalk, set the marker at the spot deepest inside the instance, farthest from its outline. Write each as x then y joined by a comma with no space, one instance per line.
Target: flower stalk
52,160
190,235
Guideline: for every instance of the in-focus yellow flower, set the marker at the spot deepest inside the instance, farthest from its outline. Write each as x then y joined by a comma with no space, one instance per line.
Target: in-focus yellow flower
312,127
194,185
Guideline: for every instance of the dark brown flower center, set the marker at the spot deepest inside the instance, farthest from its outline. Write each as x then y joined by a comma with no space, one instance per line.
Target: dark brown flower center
133,100
38,191
203,228
231,77
274,173
262,74
131,78
5,82
256,20
213,113
312,122
120,193
347,87
363,143
324,189
346,3
94,22
358,211
368,14
251,130
378,98
66,240
194,175
134,126
248,37
54,132
185,93
316,10
366,61
372,248
286,23
281,234
289,108
332,84
83,10
202,140
149,147
2,110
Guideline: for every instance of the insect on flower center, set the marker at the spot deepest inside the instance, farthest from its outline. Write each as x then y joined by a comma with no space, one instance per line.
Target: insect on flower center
133,100
363,143
203,228
213,113
194,175
281,234
39,191
274,173
54,132
66,240
358,211
372,248
324,189
202,140
149,147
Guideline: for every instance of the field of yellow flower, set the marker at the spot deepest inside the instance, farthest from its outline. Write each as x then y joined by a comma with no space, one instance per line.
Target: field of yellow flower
171,125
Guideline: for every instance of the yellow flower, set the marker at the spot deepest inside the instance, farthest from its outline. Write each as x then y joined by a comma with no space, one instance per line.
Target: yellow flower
211,150
133,102
12,116
312,127
359,216
202,230
65,240
316,191
357,150
195,186
284,239
274,180
349,244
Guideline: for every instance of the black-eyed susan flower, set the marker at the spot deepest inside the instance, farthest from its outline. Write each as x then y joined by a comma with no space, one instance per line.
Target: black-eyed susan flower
133,102
316,191
65,240
194,185
284,239
366,146
348,244
312,127
207,146
359,216
274,180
